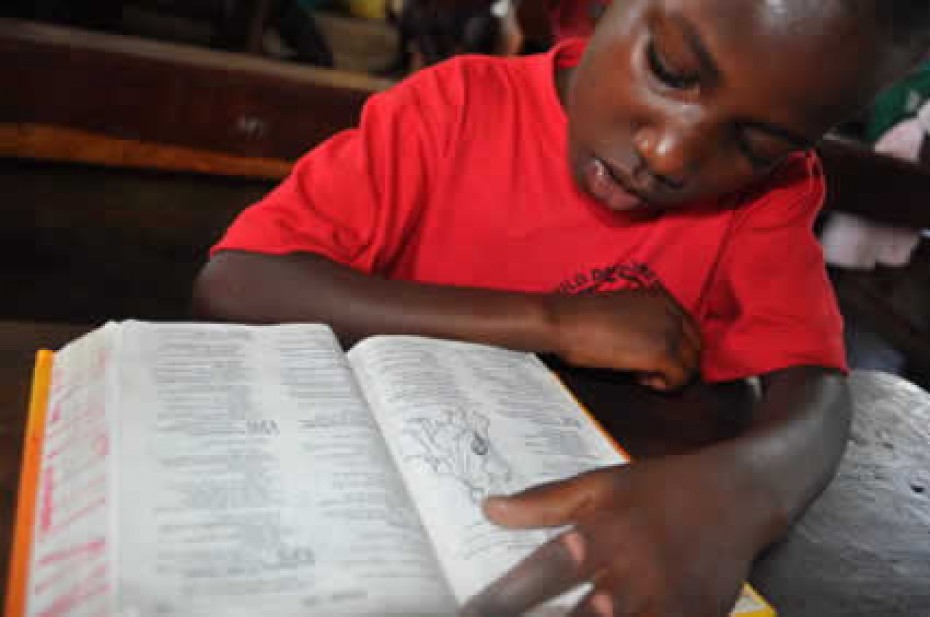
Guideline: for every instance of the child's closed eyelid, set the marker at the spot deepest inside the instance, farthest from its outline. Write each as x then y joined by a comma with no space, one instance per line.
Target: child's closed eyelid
660,67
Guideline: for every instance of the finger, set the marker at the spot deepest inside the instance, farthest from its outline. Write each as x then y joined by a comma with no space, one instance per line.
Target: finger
684,332
673,301
656,381
550,571
680,366
688,324
672,375
674,362
612,595
597,604
604,603
692,332
691,357
546,505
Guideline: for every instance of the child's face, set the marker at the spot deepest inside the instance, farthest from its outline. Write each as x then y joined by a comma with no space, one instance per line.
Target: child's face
681,99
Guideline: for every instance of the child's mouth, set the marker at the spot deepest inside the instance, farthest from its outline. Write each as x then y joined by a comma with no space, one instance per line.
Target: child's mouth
607,187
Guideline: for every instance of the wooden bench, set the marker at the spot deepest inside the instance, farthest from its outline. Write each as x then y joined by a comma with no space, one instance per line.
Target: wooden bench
173,95
122,160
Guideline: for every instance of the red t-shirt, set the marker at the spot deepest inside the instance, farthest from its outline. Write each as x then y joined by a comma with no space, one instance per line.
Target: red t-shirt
459,176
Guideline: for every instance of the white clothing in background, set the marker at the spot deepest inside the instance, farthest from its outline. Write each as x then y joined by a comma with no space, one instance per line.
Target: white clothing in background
850,241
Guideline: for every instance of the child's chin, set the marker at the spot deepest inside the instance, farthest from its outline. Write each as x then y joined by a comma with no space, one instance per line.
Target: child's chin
608,192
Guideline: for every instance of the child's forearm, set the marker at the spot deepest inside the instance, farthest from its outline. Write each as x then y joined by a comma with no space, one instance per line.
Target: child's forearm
642,330
250,287
792,448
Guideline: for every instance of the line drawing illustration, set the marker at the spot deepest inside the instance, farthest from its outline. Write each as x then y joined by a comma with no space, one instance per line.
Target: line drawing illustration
457,444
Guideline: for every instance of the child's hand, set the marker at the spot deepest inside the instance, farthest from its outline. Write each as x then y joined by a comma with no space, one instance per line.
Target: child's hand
642,330
661,538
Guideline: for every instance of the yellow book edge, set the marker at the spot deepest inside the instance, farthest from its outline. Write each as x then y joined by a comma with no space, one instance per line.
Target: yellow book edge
747,592
20,555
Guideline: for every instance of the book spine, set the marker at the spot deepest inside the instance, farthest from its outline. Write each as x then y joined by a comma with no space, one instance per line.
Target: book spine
20,555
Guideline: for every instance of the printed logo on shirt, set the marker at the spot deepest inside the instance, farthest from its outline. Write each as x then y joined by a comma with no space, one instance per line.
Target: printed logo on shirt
629,275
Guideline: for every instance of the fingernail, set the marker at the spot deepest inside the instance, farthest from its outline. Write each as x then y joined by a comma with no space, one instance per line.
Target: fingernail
495,502
574,543
656,383
603,604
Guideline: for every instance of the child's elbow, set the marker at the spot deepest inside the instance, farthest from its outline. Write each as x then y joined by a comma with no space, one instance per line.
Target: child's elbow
843,402
217,293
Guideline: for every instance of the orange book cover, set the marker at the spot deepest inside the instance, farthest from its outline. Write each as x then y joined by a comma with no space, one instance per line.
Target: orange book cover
20,555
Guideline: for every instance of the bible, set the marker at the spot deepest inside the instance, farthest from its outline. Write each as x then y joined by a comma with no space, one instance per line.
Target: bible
184,469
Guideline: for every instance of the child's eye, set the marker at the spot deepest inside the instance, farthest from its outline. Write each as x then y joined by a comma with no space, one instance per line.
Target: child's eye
669,76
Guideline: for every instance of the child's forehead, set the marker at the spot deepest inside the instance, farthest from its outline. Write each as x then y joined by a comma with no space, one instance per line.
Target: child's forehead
760,25
769,15
755,26
815,53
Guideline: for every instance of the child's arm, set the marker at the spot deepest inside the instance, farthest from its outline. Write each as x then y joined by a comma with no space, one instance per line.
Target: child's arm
677,535
641,330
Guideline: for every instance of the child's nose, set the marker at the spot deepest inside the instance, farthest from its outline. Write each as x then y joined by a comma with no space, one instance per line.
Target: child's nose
671,152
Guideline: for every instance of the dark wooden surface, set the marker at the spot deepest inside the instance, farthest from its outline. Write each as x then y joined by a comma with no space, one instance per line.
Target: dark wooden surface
43,142
863,549
172,94
87,243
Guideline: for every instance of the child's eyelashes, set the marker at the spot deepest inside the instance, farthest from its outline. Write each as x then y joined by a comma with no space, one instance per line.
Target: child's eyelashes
668,75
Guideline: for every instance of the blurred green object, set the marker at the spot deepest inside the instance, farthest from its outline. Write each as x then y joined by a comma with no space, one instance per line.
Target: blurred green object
899,102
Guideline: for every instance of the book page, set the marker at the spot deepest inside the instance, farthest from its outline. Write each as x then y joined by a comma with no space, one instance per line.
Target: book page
255,482
465,421
72,563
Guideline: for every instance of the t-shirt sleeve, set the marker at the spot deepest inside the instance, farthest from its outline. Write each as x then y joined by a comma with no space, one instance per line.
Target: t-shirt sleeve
356,197
770,304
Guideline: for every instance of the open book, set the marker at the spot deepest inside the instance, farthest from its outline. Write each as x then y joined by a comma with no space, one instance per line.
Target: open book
206,469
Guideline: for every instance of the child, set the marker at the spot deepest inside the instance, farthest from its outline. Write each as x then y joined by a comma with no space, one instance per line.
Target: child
643,203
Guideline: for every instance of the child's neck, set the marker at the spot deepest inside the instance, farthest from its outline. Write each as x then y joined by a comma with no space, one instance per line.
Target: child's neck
563,79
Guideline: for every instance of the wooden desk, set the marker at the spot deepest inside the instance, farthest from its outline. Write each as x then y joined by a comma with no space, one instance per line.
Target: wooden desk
862,550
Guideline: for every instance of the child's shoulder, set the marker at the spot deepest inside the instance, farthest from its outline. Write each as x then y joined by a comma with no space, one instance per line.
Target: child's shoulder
476,67
472,78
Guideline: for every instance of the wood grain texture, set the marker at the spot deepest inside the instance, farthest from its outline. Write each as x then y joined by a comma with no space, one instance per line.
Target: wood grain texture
53,143
85,243
149,91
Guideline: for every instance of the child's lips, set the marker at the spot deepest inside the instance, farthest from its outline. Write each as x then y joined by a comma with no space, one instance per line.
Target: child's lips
606,188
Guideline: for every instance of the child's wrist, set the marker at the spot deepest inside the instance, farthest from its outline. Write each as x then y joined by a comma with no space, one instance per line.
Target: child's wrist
764,515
